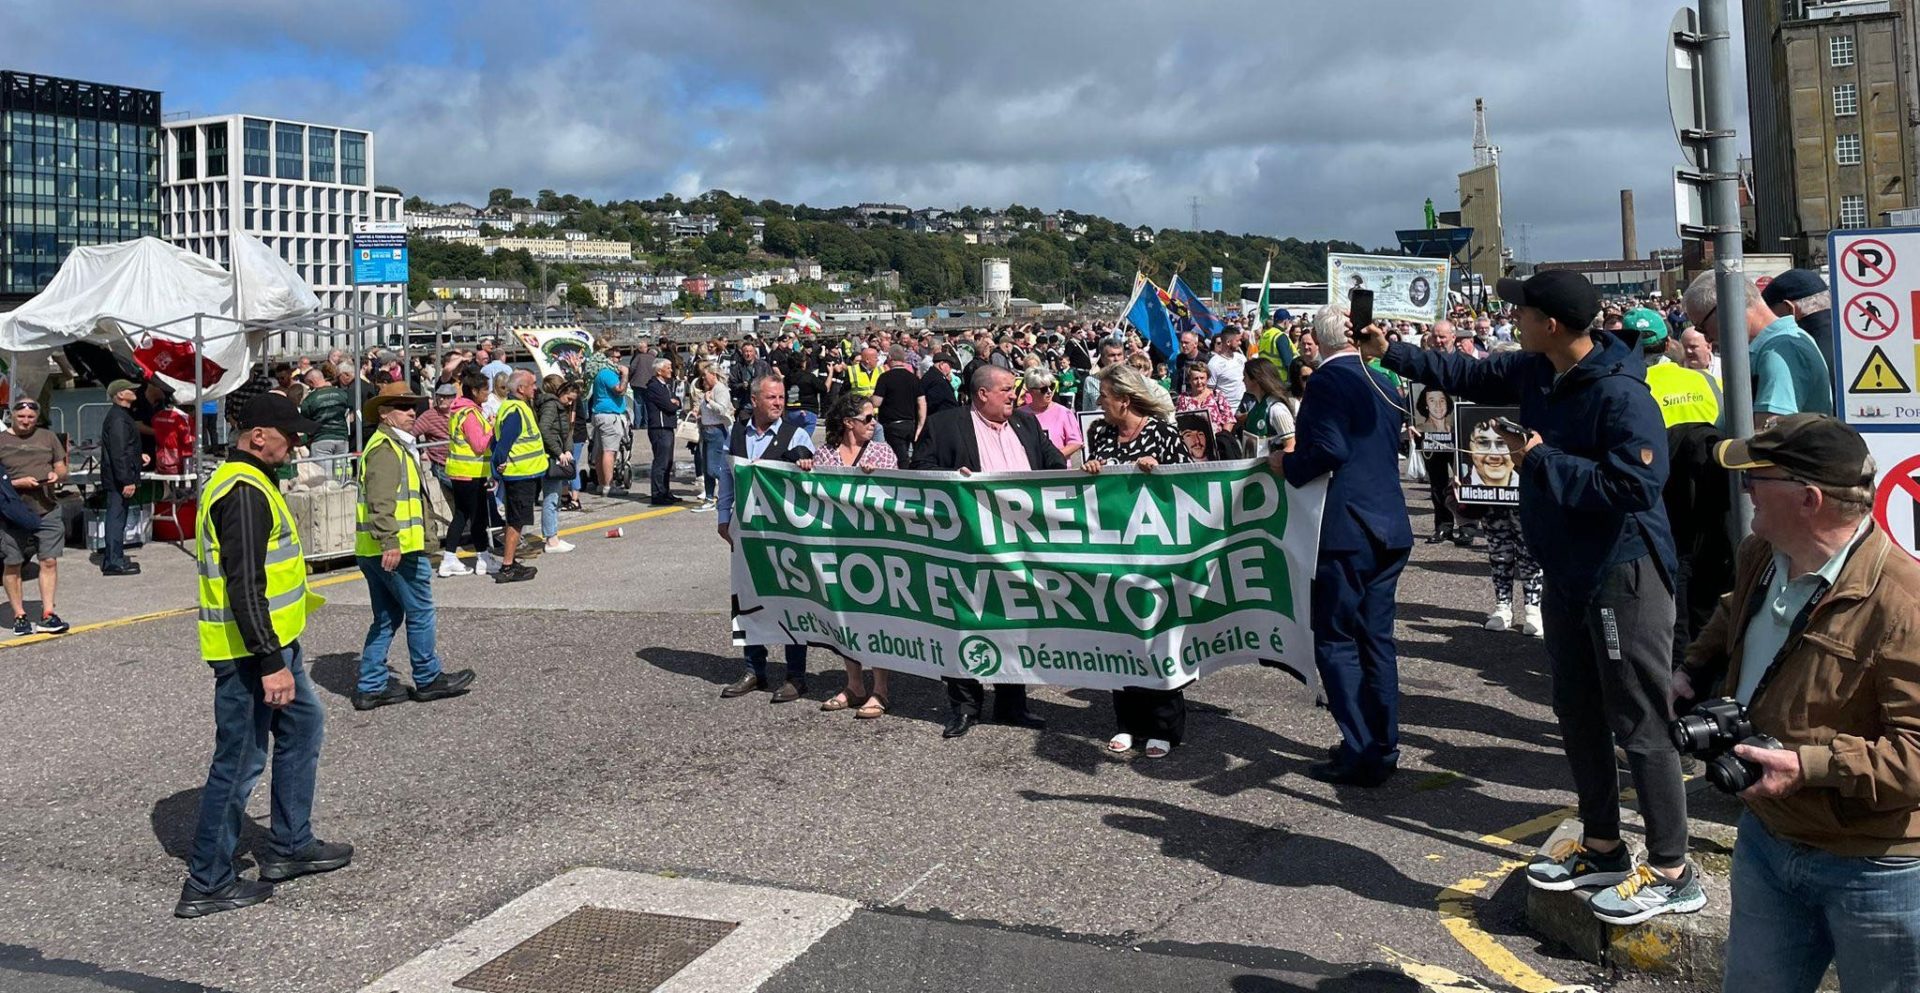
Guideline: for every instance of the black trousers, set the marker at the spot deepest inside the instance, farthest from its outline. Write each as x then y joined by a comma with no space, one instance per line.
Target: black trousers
116,529
662,473
900,438
1611,657
967,696
1439,469
472,509
1148,714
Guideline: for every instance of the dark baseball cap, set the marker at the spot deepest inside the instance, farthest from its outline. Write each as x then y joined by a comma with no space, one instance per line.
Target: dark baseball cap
1817,448
272,410
1562,294
1794,284
947,357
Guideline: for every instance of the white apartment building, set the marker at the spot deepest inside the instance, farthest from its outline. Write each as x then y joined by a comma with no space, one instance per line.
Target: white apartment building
297,187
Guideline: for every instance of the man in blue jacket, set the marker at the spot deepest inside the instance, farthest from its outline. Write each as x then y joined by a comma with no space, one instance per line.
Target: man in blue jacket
1592,464
1349,427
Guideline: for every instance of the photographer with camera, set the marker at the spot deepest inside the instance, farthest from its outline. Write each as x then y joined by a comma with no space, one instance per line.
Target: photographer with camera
1818,646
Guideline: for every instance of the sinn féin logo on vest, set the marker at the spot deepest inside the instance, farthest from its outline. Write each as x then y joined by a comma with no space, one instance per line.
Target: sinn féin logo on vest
980,657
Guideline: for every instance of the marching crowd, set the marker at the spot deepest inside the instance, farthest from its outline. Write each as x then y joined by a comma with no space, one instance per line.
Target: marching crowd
1796,648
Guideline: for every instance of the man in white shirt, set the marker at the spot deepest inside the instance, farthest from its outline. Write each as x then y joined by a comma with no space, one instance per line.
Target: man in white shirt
1227,366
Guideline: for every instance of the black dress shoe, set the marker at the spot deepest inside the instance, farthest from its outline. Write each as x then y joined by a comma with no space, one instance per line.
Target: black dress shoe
321,856
1022,719
744,685
959,725
1341,774
789,691
130,569
233,896
391,693
449,684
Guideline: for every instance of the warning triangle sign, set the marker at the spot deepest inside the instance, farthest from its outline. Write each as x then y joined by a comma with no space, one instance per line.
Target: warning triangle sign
1878,376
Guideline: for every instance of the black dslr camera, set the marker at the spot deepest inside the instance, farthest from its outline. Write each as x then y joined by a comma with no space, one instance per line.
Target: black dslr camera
1710,731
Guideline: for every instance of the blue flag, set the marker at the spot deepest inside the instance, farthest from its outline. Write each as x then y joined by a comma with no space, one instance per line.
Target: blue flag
1148,313
1191,310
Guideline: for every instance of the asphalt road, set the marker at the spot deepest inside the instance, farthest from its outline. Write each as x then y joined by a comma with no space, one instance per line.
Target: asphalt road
1005,860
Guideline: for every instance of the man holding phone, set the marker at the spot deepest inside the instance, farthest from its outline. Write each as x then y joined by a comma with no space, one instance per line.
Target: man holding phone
1591,472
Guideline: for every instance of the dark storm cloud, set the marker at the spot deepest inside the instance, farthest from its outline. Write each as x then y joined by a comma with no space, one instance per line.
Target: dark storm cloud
1324,120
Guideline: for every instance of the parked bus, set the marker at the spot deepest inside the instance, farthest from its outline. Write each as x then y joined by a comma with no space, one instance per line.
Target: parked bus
1298,299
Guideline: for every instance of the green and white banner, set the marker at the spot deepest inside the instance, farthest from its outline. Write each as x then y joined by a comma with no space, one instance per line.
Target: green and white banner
1116,580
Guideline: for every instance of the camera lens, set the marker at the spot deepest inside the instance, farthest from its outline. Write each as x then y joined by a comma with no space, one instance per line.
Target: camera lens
1731,774
1693,733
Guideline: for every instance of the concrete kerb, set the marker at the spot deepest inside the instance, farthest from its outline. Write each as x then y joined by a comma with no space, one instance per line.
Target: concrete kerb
775,927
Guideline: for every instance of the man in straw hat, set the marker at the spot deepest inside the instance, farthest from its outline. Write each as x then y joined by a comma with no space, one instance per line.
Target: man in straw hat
390,543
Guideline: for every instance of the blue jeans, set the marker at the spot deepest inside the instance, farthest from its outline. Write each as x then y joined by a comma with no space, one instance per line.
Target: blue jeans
1796,908
550,490
807,419
796,661
713,455
241,722
579,466
403,596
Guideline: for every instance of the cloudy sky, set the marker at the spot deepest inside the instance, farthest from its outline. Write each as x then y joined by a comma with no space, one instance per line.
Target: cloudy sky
1321,120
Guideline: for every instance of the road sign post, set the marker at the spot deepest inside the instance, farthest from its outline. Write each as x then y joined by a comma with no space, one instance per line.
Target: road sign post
1700,96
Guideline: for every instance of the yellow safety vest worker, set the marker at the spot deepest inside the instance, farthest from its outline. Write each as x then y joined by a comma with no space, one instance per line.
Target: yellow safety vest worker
463,461
528,456
409,513
1685,396
862,382
288,599
1270,345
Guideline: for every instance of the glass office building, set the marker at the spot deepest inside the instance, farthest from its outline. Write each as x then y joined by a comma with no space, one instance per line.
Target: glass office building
79,165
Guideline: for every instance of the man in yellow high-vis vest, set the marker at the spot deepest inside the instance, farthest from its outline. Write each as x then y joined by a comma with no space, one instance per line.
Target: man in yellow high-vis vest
520,462
254,604
390,541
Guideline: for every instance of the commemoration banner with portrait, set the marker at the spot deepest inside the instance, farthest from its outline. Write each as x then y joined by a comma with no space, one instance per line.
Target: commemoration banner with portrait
1124,579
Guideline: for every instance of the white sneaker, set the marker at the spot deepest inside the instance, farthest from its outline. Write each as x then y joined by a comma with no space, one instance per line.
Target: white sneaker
450,565
1530,625
559,544
486,564
703,507
1500,619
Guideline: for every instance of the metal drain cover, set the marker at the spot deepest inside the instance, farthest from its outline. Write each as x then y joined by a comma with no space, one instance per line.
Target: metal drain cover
596,950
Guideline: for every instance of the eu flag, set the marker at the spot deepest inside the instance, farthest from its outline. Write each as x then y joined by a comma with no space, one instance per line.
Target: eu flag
1148,314
1196,315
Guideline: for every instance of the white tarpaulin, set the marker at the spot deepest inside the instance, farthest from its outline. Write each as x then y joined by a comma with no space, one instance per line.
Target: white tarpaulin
111,295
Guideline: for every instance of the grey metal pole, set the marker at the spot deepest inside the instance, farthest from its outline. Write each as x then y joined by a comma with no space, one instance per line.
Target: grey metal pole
200,392
1729,264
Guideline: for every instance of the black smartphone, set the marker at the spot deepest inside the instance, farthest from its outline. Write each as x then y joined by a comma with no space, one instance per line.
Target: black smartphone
1510,426
1360,308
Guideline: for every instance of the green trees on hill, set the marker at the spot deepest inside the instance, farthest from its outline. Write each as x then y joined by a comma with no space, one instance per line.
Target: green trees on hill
1047,265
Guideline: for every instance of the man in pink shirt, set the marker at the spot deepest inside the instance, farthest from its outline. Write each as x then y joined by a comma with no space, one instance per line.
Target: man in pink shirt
990,435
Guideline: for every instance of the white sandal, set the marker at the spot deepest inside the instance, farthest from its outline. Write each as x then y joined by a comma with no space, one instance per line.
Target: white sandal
1157,749
1120,743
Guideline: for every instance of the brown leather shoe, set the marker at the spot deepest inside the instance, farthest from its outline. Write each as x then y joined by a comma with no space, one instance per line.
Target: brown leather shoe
744,685
790,691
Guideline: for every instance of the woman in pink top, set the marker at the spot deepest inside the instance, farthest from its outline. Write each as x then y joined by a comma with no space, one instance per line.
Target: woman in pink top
470,503
850,424
1062,425
1198,395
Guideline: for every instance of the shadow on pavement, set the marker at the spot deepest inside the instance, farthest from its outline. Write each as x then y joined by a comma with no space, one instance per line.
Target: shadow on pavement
337,673
175,819
1254,852
24,961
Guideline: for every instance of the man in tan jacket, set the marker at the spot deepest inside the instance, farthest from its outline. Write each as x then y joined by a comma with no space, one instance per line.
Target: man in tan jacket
1820,640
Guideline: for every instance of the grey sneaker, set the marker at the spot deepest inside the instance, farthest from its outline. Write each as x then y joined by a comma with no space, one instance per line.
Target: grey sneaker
1570,865
1647,894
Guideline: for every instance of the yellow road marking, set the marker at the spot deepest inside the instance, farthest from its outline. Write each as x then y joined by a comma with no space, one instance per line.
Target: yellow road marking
345,577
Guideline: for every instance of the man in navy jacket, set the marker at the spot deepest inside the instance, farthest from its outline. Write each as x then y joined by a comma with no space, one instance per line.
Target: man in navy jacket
1592,464
1349,426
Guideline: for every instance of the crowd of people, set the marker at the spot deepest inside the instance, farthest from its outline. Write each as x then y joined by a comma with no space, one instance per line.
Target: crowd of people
1618,552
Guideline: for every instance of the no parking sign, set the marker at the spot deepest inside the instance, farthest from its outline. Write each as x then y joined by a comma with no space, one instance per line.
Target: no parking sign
1896,505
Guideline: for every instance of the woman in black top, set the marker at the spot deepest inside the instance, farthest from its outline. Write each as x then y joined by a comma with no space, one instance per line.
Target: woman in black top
1137,429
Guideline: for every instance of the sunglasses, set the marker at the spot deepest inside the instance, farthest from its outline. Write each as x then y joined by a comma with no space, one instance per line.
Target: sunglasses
863,419
1748,479
26,405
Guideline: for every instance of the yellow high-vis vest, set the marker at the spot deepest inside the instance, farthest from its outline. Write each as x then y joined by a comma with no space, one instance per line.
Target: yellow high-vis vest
528,456
463,461
1685,396
862,382
289,601
409,513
